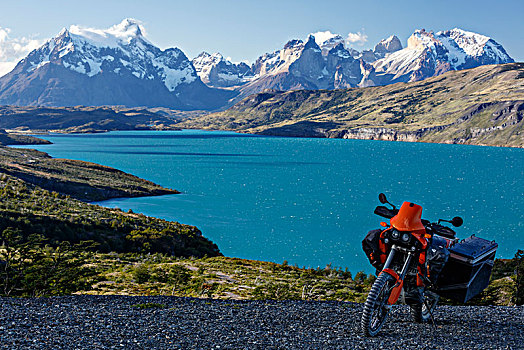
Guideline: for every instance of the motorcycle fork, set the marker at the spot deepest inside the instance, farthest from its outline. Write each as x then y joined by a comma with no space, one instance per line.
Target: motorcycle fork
397,288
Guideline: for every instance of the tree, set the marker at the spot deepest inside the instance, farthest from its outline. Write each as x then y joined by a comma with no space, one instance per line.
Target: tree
32,268
360,277
519,280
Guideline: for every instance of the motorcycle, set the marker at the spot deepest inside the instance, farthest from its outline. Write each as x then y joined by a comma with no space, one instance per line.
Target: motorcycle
421,260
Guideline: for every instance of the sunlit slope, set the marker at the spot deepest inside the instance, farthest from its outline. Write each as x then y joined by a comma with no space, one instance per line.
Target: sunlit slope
483,106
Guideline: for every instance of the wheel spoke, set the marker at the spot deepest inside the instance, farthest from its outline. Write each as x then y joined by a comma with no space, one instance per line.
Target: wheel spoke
376,307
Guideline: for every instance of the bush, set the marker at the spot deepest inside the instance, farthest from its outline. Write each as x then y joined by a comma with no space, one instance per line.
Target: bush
178,275
519,278
141,273
31,268
360,277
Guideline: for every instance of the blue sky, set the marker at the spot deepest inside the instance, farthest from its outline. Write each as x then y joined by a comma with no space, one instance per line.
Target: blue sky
246,29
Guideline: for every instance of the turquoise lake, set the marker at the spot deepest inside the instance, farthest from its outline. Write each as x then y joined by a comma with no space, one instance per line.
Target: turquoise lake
304,200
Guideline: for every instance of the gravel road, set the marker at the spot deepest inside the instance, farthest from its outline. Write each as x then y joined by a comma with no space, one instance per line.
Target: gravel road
113,322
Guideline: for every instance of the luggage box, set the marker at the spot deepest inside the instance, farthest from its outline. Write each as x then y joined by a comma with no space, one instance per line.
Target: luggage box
468,269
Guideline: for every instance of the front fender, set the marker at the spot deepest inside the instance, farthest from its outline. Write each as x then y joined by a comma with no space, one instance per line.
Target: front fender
395,292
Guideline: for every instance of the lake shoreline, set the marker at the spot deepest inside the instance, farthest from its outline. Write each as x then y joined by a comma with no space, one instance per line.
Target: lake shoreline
347,135
295,187
86,181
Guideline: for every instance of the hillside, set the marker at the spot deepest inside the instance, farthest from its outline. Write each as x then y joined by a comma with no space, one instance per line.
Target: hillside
88,119
233,278
48,234
81,180
20,139
57,217
481,106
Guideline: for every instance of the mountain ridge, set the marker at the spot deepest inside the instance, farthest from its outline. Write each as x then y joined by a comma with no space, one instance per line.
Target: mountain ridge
481,106
115,66
120,66
328,62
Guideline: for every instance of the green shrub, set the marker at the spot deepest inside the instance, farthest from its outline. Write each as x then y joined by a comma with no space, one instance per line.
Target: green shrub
178,275
30,267
141,273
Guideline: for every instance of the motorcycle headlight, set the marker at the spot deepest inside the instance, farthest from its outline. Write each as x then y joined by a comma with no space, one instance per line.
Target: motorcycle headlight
405,237
395,234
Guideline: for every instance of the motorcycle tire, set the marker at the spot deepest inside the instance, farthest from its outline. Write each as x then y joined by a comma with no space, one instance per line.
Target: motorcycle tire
376,308
420,312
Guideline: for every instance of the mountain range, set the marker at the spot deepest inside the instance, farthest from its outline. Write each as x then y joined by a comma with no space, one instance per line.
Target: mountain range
480,106
120,66
115,66
325,61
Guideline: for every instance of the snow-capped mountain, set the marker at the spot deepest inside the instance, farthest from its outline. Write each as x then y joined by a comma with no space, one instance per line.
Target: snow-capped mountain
327,40
114,66
215,70
387,46
429,54
120,66
324,61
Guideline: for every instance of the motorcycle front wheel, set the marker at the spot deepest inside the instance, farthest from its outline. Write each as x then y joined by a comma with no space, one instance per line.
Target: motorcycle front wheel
376,308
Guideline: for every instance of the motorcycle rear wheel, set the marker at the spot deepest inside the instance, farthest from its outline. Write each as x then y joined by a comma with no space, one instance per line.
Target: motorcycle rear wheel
420,312
376,308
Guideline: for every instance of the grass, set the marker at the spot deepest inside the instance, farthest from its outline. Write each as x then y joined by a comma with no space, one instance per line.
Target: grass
240,279
58,218
224,278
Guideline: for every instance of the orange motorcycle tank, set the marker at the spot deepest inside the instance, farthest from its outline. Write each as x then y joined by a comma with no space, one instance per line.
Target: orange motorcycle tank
408,218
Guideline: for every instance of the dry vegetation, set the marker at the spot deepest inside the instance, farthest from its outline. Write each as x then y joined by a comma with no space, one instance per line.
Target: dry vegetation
483,106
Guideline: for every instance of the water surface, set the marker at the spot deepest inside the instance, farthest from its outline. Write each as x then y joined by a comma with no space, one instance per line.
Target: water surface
308,201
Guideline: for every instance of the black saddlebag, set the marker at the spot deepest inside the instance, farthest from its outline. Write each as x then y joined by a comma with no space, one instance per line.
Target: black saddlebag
370,246
468,269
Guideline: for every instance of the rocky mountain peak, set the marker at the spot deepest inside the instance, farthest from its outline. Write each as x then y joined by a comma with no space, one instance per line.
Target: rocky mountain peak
421,39
471,43
327,40
128,27
339,50
214,70
311,44
118,59
388,45
429,54
293,43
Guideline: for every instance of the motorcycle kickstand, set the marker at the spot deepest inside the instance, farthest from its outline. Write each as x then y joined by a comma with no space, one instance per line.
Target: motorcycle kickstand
431,315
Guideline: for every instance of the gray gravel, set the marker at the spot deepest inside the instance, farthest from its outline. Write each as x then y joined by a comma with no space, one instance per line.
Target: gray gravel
111,322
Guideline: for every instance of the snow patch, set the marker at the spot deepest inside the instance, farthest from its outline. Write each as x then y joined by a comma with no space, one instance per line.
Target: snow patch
174,77
113,37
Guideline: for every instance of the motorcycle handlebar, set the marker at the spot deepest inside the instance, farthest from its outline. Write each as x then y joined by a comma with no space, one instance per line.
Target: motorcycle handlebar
385,212
439,229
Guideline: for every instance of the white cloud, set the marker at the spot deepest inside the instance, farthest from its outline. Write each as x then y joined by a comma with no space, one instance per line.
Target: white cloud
228,58
358,37
13,50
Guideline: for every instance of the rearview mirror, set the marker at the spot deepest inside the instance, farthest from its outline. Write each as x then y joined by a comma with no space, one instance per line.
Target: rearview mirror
457,221
382,198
